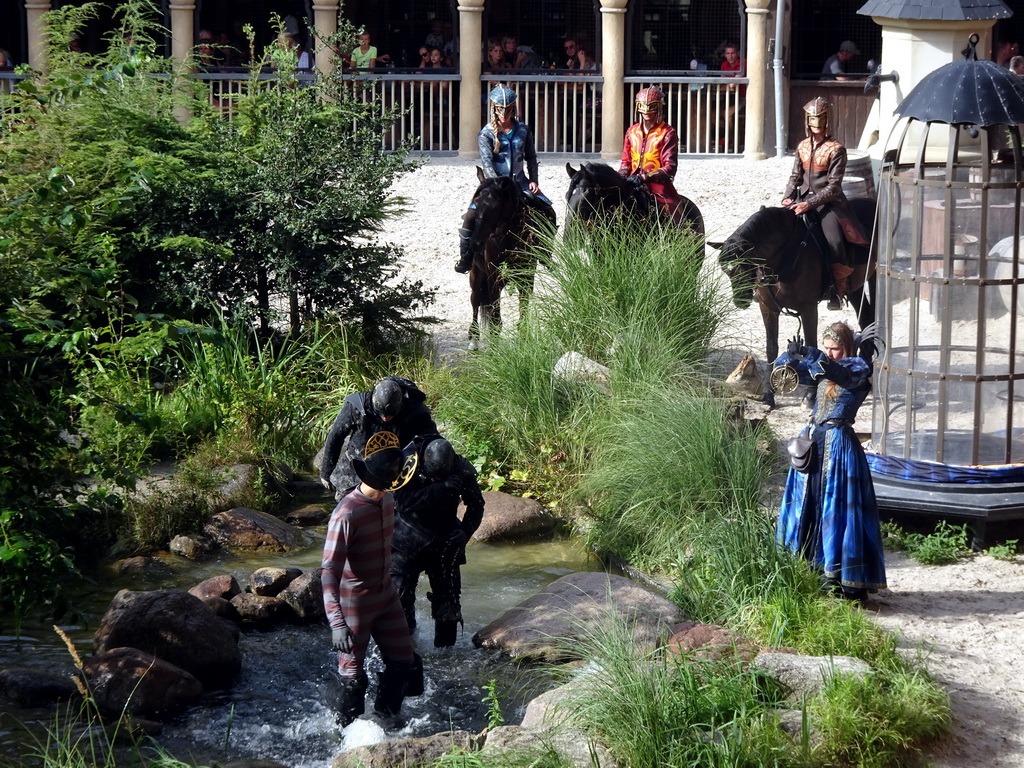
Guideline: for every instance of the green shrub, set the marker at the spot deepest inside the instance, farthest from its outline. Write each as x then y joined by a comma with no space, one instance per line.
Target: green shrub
881,720
946,544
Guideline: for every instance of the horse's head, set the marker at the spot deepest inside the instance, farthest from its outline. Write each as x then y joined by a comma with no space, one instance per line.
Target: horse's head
758,242
595,189
735,258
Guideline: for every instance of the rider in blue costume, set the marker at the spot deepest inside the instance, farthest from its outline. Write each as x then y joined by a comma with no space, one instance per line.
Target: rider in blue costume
829,514
506,149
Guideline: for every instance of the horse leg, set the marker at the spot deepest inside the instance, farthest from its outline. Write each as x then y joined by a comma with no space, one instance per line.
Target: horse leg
476,288
771,338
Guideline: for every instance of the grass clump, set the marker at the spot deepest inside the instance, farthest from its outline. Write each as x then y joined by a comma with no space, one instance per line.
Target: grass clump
671,473
878,720
945,544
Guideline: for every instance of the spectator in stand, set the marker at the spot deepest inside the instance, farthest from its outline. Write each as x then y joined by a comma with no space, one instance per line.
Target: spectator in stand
364,56
576,56
1017,65
494,63
510,47
424,57
6,63
435,38
1004,52
734,65
450,49
227,50
207,55
838,64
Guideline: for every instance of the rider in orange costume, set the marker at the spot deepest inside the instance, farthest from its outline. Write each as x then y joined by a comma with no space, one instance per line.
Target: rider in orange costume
650,150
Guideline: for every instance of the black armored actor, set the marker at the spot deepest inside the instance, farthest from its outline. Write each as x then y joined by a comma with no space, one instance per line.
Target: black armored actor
429,536
395,405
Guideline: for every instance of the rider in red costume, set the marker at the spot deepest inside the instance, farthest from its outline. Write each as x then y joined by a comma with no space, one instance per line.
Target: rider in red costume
650,151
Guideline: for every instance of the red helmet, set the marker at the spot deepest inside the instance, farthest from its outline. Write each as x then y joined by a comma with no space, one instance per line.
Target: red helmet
650,100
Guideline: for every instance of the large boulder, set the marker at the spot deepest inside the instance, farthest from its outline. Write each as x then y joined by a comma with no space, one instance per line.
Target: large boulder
572,745
34,687
309,515
305,595
554,623
710,642
269,581
250,529
130,680
225,585
174,626
508,518
801,676
261,610
405,753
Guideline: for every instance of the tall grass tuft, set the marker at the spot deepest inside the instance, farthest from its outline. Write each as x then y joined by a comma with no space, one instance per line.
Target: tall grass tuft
669,711
638,300
670,465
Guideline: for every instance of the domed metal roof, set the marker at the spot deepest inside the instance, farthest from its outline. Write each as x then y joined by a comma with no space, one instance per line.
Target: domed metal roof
939,10
967,92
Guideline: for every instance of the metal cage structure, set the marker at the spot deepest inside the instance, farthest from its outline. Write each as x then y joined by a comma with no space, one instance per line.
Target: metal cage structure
948,420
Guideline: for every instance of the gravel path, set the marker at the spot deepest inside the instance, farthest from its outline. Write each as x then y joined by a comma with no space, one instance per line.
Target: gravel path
967,618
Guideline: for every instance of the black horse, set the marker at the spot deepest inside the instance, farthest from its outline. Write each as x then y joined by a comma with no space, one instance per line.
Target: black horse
501,242
598,191
773,257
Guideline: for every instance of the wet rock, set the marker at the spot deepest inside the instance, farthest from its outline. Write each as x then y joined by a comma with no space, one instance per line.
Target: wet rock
305,596
260,609
142,566
251,764
709,642
249,529
508,518
34,687
174,626
194,546
404,753
553,623
270,581
222,609
572,745
225,586
802,676
309,515
127,679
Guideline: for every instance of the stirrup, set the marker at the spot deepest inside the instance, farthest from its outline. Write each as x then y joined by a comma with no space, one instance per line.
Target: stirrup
835,302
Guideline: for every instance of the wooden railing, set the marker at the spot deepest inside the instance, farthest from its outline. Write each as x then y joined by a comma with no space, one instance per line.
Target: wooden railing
564,110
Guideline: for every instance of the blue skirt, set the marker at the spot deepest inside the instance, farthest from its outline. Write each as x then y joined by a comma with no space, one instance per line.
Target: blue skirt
830,515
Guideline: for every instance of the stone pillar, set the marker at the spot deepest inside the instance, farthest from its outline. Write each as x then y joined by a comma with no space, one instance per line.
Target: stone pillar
471,34
757,57
183,25
613,69
34,10
325,24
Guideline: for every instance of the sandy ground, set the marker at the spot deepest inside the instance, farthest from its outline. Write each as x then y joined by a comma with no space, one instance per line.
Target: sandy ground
966,619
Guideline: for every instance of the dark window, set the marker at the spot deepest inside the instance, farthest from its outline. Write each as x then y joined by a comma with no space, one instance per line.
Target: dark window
544,25
399,27
669,35
819,27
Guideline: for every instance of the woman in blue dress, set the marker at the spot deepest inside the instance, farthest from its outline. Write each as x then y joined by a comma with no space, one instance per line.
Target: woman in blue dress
829,514
506,149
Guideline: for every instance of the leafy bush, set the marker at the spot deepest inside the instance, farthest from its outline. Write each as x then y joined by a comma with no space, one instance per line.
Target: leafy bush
946,544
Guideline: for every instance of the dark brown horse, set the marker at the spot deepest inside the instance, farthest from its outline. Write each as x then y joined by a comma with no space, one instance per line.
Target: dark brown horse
773,258
598,191
501,243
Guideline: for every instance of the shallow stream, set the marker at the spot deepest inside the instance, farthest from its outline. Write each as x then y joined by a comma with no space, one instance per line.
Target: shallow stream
275,709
